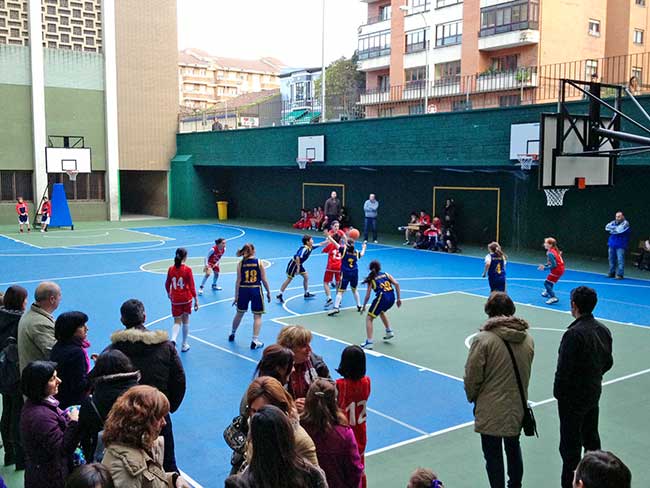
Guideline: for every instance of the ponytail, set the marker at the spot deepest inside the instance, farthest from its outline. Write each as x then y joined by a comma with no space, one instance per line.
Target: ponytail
246,251
375,268
551,241
495,248
181,254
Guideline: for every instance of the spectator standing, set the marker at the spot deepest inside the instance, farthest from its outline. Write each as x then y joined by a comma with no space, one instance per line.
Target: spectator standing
602,469
155,356
72,361
491,384
332,208
15,301
112,375
133,451
585,355
619,239
643,261
370,210
90,476
336,447
449,212
274,462
36,326
49,436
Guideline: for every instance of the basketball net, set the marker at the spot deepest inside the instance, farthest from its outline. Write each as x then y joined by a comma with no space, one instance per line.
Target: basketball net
72,174
526,160
302,162
555,196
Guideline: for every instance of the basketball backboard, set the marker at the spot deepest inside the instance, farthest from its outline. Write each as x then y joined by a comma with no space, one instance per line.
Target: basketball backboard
524,139
63,159
312,148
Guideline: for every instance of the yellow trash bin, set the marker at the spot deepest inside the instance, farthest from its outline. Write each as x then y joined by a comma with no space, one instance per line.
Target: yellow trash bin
222,210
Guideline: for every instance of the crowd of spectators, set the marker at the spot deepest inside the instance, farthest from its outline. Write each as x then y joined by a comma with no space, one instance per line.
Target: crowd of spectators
70,420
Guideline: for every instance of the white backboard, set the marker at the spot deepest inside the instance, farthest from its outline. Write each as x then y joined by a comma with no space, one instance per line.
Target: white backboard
312,147
524,139
62,159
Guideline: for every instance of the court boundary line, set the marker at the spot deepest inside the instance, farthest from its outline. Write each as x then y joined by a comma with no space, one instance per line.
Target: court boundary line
18,241
189,479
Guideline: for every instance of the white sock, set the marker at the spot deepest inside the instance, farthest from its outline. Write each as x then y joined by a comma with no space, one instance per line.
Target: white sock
356,297
175,330
186,331
337,302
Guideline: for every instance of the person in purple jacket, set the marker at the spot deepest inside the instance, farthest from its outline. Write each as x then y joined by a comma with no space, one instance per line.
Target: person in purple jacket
336,446
49,436
619,239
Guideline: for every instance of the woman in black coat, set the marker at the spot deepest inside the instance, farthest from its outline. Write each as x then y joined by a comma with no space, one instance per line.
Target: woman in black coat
15,301
69,353
112,375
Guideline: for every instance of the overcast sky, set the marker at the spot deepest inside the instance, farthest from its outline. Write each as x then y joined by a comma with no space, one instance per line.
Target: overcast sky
289,30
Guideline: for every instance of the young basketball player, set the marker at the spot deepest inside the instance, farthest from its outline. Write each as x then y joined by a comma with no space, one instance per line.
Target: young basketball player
46,213
386,288
181,291
554,263
333,269
23,214
212,264
349,273
354,391
251,276
495,267
296,266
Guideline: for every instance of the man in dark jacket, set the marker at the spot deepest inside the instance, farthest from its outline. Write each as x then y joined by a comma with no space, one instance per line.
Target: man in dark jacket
154,355
332,208
585,356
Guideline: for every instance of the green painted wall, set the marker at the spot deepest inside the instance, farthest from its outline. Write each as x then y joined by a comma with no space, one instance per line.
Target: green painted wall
16,127
81,211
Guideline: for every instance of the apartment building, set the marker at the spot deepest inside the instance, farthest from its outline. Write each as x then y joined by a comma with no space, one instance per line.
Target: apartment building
434,50
205,80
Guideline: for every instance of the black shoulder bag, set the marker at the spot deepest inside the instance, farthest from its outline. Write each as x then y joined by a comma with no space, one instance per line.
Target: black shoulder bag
528,424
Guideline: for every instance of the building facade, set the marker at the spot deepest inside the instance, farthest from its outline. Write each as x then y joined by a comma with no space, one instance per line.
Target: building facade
88,76
300,98
407,44
204,80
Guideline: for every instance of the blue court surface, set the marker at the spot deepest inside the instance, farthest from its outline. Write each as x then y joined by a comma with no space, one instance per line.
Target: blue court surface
417,380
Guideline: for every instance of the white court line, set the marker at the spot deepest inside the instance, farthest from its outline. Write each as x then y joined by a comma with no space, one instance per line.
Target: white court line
61,278
393,419
509,279
187,478
21,242
126,229
72,236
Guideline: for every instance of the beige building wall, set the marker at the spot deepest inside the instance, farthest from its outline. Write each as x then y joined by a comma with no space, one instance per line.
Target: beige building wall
147,83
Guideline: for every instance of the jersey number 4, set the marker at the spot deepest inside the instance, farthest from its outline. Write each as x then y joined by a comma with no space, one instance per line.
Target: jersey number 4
352,413
178,284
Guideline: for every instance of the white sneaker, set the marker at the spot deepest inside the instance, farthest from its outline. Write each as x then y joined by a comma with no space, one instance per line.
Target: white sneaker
376,242
185,347
257,345
333,312
389,335
544,293
552,300
367,344
200,292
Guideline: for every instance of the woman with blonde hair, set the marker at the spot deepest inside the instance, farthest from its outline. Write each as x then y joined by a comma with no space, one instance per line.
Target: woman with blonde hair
133,452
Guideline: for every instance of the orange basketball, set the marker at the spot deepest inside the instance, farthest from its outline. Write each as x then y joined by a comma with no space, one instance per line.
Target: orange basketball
354,233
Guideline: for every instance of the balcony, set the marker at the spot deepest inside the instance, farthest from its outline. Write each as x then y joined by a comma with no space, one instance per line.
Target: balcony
412,91
508,80
510,35
376,20
374,59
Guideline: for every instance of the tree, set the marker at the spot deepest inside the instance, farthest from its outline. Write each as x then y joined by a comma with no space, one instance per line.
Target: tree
344,84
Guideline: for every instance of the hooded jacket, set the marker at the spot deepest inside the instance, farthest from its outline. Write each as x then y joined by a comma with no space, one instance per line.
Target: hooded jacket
156,358
71,366
490,381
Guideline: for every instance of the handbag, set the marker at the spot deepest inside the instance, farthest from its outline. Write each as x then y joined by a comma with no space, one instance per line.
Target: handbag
236,434
528,424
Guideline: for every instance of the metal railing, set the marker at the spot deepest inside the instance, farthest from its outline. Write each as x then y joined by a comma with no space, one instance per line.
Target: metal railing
375,19
514,26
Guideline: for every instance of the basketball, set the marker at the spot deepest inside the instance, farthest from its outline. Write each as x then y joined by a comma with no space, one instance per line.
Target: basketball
354,233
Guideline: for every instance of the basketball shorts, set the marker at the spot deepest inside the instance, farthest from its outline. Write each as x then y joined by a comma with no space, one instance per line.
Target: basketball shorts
382,303
214,267
332,276
497,284
179,309
250,296
45,219
555,275
349,279
293,269
23,218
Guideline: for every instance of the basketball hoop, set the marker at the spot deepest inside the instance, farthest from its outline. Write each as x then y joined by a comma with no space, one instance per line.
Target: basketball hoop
555,196
526,160
302,162
72,174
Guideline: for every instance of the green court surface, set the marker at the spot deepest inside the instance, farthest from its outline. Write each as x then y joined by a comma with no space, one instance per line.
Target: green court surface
455,453
227,265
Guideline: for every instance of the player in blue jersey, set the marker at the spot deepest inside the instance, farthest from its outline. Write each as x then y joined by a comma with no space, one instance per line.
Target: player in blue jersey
251,276
296,267
387,293
349,273
495,267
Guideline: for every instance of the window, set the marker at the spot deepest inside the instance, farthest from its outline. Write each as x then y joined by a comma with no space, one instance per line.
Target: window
505,63
416,6
447,3
51,27
385,12
508,17
594,27
447,72
51,10
385,112
637,72
14,184
383,83
374,45
509,101
449,34
460,105
591,68
189,88
89,186
640,3
638,36
417,41
416,109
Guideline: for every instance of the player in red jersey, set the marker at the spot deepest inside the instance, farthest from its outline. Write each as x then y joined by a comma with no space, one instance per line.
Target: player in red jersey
354,391
212,264
46,213
23,214
333,270
180,290
554,263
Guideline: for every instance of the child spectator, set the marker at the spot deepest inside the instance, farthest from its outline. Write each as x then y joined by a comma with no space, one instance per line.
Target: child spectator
431,236
90,476
602,469
424,478
317,218
304,222
643,261
409,229
354,391
424,218
336,447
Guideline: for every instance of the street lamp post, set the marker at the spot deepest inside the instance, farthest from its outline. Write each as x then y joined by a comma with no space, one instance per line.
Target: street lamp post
406,9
